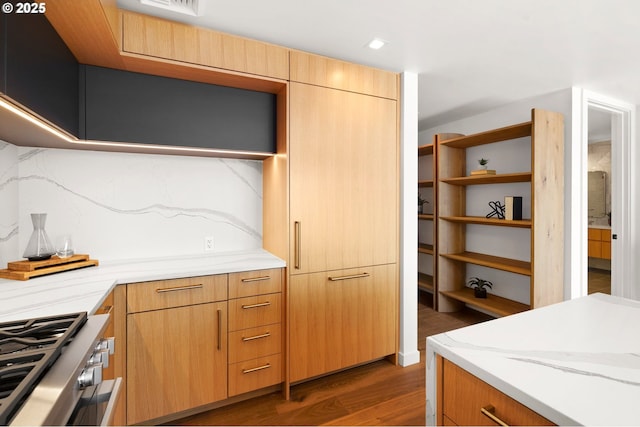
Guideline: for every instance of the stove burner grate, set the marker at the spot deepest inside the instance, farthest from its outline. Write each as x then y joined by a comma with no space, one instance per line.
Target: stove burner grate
27,349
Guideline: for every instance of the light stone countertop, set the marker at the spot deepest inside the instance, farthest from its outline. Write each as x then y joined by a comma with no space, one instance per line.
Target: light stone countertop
86,289
575,363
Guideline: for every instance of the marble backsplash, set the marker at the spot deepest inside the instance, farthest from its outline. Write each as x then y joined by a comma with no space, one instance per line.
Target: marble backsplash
122,206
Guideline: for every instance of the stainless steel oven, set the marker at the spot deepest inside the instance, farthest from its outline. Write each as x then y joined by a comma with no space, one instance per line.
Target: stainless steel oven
66,390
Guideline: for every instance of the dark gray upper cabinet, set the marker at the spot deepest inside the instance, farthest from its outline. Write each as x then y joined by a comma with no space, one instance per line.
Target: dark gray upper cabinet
40,72
3,52
124,106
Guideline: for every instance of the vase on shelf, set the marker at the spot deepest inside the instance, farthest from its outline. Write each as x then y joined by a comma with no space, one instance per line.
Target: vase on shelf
39,247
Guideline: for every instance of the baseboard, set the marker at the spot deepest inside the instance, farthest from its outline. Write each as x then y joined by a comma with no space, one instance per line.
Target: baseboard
407,359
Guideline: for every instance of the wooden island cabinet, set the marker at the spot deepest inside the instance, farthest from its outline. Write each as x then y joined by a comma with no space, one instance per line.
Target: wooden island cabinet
469,401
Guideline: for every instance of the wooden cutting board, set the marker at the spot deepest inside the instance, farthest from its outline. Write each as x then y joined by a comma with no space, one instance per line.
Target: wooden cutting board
24,270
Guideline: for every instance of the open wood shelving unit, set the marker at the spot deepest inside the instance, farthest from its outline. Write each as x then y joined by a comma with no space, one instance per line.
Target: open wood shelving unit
546,133
426,282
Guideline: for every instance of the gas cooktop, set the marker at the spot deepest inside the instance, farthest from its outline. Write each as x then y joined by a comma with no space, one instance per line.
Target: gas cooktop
28,348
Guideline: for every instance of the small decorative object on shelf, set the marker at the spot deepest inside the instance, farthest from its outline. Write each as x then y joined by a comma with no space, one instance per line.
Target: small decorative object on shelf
421,202
497,210
483,168
512,207
479,286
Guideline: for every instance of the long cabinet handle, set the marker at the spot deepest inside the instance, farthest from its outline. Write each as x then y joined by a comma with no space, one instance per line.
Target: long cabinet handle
261,304
259,368
256,337
488,411
179,288
296,230
353,276
219,329
255,279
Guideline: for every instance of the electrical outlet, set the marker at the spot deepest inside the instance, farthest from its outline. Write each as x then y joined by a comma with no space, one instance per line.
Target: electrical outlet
208,243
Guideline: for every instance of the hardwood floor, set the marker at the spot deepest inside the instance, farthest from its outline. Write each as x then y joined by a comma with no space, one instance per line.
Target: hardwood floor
599,281
378,393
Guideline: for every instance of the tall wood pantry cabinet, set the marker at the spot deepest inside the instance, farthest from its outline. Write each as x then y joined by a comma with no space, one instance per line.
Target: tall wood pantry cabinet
343,178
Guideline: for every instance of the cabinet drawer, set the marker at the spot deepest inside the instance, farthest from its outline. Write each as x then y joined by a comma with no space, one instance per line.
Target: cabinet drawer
594,234
254,311
464,395
258,282
253,343
160,294
255,374
605,235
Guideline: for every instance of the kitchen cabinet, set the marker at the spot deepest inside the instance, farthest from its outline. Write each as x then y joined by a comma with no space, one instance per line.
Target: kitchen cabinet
133,107
343,179
176,346
39,71
341,318
153,37
469,401
544,269
599,243
196,341
255,330
343,231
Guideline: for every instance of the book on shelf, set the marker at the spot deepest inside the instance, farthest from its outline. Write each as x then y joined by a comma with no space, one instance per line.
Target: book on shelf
483,172
512,207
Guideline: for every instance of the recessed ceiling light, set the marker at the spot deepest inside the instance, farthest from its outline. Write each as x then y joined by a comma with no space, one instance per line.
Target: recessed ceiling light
376,44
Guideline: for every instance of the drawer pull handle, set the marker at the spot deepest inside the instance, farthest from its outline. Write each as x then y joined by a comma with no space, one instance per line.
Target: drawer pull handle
262,304
179,288
297,238
256,337
107,309
219,346
259,368
353,276
488,411
255,279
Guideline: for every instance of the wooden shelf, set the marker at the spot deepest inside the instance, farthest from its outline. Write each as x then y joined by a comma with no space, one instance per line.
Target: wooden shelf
505,178
493,303
524,223
425,183
491,136
425,248
499,263
425,216
425,282
425,150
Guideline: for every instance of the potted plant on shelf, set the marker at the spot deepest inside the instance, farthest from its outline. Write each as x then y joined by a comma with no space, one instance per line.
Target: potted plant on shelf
479,286
421,202
483,163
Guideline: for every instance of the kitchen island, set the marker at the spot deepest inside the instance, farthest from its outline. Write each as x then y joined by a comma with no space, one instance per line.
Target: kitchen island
572,363
86,289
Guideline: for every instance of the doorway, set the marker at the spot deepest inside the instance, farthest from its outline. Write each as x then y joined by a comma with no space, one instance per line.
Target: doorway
624,194
600,190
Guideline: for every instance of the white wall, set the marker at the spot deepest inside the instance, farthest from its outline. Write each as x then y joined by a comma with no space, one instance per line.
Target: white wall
120,206
511,285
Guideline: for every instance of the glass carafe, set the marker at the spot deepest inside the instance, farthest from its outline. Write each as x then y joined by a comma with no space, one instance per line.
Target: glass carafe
39,246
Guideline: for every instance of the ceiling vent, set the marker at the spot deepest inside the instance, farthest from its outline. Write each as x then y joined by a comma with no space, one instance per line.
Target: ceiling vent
186,7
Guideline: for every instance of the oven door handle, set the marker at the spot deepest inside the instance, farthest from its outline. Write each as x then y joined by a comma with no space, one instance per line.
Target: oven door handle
109,391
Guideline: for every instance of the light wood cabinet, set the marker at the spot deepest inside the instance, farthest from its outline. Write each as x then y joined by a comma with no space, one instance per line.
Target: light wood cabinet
599,243
545,267
159,38
469,401
343,212
343,180
255,330
176,360
341,318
